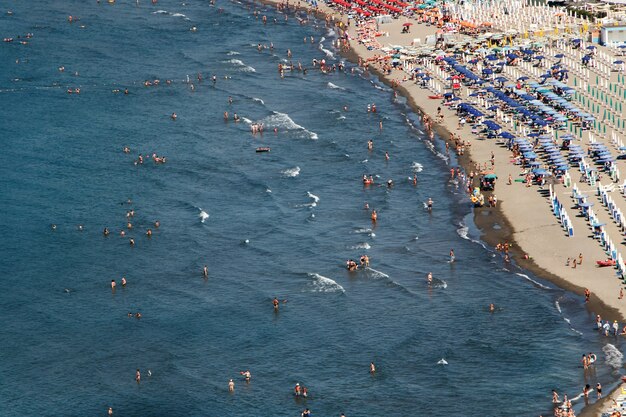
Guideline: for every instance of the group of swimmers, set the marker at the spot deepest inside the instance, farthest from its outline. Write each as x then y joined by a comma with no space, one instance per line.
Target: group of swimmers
351,264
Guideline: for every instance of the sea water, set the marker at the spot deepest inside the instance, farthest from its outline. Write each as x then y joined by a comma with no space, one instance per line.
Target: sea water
278,224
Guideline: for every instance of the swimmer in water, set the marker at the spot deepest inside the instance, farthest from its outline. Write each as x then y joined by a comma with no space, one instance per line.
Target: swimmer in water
123,281
205,271
492,308
275,303
429,204
138,376
366,206
131,242
173,116
246,375
372,368
452,255
429,278
370,145
113,285
374,216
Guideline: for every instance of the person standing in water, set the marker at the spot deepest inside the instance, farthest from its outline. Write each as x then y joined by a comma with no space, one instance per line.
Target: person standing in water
231,386
138,376
275,303
372,368
429,278
429,204
205,271
452,255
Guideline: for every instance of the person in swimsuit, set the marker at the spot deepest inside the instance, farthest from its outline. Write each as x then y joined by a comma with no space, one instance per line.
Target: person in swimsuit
231,386
372,368
275,303
599,390
205,271
138,376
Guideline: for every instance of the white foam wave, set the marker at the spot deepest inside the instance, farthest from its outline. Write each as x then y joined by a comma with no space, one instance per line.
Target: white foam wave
342,117
334,86
461,231
363,245
612,356
203,215
313,196
258,100
180,15
363,231
417,167
291,172
538,284
327,52
321,283
439,283
160,12
376,274
241,65
283,121
558,306
230,53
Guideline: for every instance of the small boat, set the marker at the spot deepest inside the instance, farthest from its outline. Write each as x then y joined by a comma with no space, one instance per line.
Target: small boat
608,262
263,149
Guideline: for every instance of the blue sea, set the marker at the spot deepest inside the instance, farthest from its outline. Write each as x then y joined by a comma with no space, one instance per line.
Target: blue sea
278,224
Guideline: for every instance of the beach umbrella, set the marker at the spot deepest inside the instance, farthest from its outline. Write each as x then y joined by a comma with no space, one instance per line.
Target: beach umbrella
407,24
524,78
559,56
618,62
591,47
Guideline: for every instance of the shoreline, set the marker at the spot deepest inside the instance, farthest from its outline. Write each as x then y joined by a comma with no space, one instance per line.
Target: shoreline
485,218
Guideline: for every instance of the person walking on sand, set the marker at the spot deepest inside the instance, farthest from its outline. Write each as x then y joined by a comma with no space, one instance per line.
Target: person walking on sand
587,295
580,259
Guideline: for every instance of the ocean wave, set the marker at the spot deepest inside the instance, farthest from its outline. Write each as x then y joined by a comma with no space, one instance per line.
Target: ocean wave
313,196
463,232
439,283
328,53
334,86
362,245
241,65
203,215
538,284
161,12
320,283
180,15
373,273
417,167
230,53
258,100
283,121
291,172
612,356
558,306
